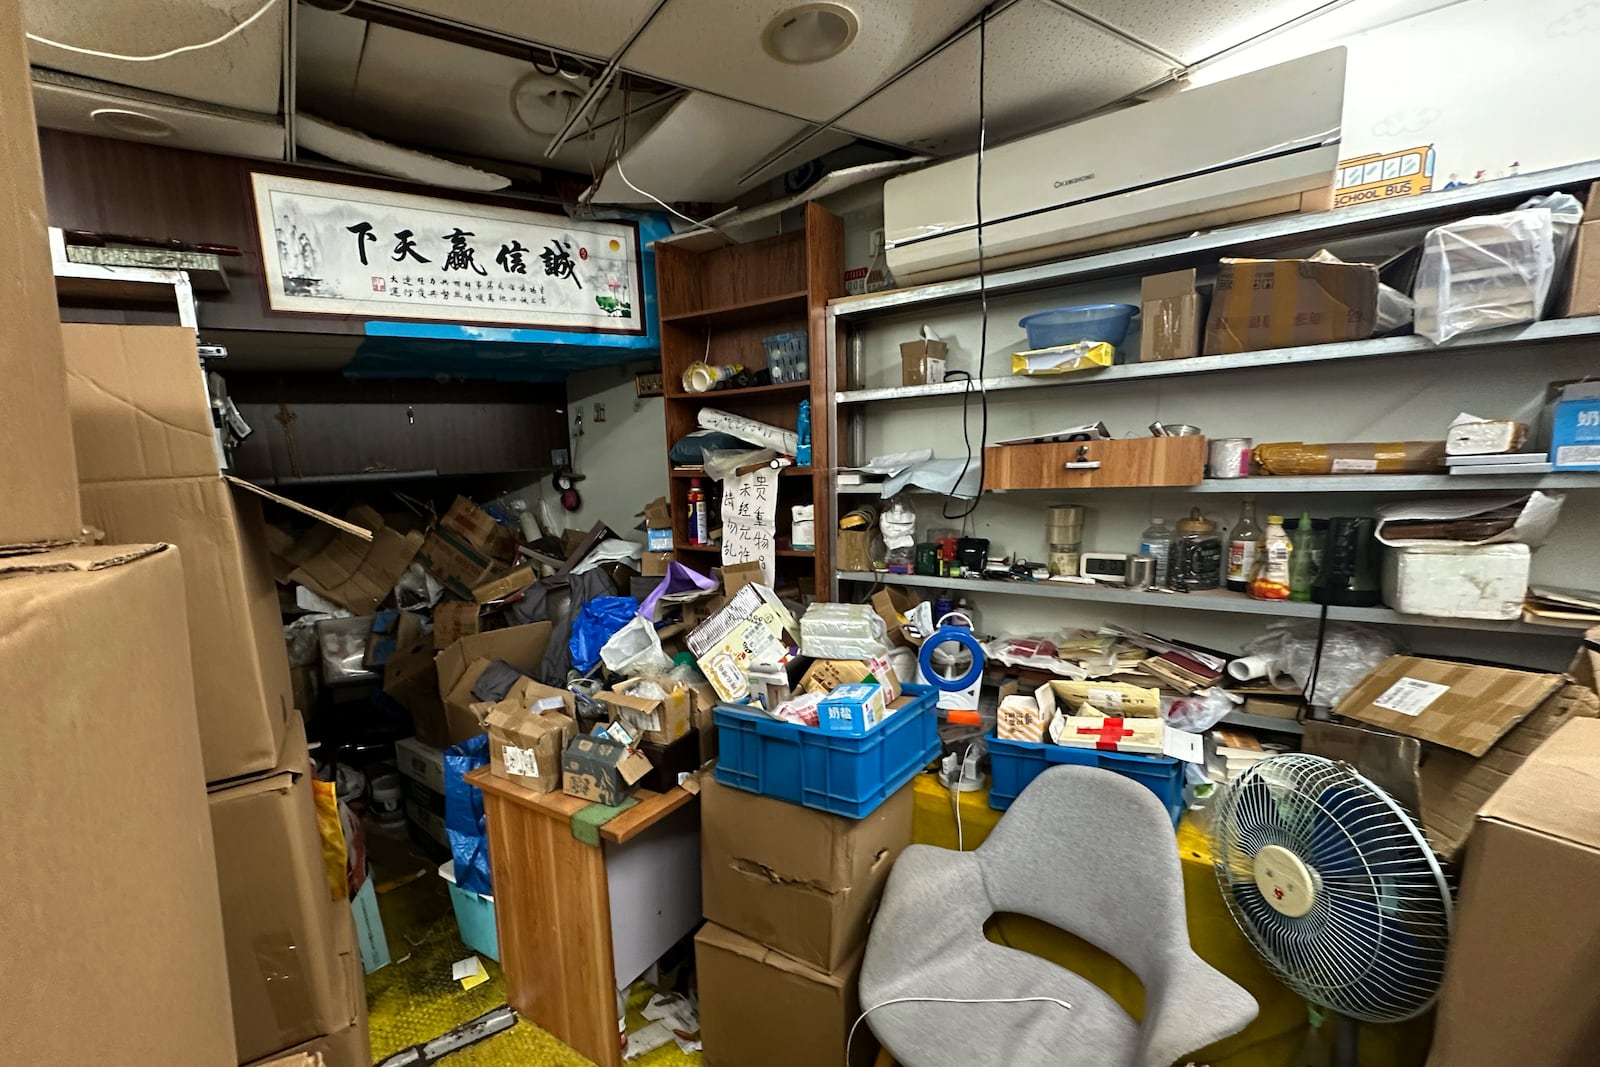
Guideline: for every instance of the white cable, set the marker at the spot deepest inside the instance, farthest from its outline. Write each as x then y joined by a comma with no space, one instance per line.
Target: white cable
617,163
240,28
848,1041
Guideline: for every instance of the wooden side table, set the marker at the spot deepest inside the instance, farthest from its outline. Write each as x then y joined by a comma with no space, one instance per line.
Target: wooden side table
578,921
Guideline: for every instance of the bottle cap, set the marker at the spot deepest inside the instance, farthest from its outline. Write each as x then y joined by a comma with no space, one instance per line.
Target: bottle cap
1275,518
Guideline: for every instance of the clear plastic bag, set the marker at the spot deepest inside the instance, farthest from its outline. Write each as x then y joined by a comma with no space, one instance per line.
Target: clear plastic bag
1350,652
843,631
721,463
1197,712
1485,272
635,650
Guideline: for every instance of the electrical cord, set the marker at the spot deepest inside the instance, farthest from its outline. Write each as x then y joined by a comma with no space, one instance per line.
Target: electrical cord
240,28
983,300
848,1041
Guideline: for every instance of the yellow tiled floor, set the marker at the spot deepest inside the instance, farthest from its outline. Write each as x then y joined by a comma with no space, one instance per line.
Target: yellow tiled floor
414,999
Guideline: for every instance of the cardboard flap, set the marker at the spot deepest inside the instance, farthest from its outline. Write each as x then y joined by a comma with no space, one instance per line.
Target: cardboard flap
1389,760
81,558
1459,705
1164,286
1557,791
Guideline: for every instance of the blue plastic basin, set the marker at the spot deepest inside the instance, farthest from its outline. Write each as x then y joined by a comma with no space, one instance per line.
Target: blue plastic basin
1085,322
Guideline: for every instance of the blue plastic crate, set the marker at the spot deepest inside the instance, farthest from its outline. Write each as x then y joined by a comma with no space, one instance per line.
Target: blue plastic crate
1013,764
847,774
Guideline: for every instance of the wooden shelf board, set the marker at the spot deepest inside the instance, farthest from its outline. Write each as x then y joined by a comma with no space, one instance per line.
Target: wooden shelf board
743,311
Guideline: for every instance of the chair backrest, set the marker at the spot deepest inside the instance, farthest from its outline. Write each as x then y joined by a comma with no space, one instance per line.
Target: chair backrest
1094,854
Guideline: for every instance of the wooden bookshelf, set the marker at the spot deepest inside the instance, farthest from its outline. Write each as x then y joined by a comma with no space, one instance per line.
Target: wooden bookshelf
716,306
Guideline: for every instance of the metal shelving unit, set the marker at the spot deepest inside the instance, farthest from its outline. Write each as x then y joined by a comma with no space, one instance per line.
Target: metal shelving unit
1219,600
1518,337
1325,483
1262,238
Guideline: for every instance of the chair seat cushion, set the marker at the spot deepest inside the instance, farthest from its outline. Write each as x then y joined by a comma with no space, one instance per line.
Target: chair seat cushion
928,941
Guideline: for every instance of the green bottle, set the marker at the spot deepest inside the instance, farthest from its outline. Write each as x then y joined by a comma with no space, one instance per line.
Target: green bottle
1301,572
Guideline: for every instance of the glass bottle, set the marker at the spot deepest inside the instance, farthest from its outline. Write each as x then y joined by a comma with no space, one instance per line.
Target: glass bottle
1197,553
1302,560
1157,541
1244,545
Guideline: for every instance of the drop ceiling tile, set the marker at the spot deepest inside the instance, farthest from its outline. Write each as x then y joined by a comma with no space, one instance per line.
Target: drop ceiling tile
594,27
60,106
717,47
397,96
242,72
697,152
1044,67
327,55
1196,29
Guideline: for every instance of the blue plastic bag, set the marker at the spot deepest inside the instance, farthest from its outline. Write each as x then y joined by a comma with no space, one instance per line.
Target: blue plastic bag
599,619
463,815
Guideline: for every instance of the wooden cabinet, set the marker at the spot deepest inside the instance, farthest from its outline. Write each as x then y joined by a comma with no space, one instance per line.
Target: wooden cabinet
1132,461
717,305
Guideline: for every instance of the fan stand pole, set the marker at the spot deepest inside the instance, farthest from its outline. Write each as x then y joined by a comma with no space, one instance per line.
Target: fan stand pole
1347,1042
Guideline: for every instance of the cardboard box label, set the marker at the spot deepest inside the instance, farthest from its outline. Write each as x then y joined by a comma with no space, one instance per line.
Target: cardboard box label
1410,696
521,761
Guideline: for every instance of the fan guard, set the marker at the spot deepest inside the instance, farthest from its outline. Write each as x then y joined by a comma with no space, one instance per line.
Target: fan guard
1335,885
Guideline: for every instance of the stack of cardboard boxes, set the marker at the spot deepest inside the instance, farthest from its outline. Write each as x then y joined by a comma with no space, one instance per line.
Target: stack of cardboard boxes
141,420
109,905
788,893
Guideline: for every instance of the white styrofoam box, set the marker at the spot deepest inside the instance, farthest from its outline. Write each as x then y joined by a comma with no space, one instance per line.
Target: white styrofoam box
421,763
430,823
1457,581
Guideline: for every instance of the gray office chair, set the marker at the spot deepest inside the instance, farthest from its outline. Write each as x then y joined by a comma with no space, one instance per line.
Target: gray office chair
1087,851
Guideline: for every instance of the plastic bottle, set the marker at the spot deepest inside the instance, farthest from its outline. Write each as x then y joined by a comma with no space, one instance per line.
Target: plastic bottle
699,532
1157,541
1302,562
1244,545
1272,570
802,453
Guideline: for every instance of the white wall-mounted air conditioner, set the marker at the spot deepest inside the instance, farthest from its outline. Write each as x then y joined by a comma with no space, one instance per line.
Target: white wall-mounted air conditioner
1240,148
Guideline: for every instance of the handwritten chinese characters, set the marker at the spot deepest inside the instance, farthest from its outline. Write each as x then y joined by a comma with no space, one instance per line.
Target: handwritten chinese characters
749,520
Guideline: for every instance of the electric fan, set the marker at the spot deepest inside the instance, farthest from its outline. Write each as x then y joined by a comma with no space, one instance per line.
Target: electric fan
1335,886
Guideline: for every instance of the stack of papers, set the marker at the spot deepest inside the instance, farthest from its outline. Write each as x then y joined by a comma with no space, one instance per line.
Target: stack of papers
1571,607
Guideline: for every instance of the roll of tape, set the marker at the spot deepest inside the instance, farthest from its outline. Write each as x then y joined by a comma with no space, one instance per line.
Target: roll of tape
962,637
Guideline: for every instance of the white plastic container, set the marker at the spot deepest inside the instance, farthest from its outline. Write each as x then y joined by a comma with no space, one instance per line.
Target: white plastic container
1454,581
474,915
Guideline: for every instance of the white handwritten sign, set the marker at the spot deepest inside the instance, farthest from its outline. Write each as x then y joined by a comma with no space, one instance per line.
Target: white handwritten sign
345,250
750,520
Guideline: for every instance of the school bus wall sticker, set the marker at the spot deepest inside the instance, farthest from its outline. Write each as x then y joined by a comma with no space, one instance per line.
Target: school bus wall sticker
1381,177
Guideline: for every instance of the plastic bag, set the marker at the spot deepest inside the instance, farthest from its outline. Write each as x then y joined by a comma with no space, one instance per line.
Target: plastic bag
1197,712
843,631
596,623
464,821
1566,215
1485,272
635,649
1350,652
721,463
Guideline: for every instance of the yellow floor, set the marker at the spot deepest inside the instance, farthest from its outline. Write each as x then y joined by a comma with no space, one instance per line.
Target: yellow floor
414,999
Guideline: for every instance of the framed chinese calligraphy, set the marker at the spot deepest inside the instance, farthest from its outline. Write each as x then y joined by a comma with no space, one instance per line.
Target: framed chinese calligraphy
332,249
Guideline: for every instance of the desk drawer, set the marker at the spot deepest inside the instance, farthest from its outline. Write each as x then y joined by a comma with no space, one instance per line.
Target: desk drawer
1129,462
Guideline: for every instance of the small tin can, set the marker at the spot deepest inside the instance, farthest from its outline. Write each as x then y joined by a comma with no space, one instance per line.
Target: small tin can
1229,457
1141,572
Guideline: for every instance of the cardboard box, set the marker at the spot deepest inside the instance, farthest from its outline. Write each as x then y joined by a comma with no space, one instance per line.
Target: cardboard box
505,585
669,761
349,1047
528,733
795,879
411,679
459,567
1522,950
290,947
1169,319
459,668
477,529
826,675
1583,295
1445,786
655,564
1458,705
421,763
600,770
38,479
893,606
1284,303
852,708
750,628
658,721
355,565
142,422
1575,428
453,620
657,514
757,1006
922,362
113,933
